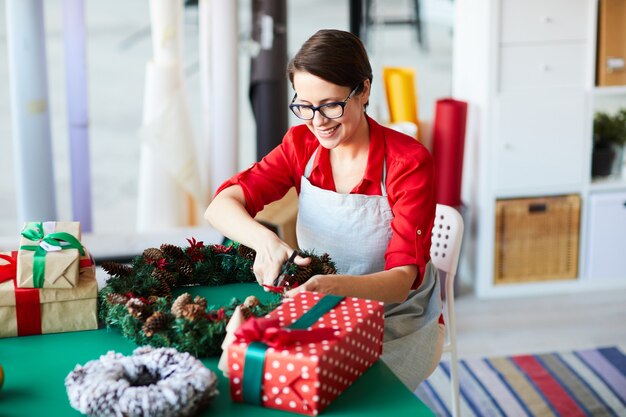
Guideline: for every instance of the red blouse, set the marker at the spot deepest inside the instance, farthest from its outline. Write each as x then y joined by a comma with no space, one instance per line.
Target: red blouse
410,184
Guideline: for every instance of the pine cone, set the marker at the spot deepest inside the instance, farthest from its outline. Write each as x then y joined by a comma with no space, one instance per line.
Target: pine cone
179,303
192,311
315,263
152,254
117,270
328,266
163,289
153,299
246,252
115,298
251,301
302,275
185,268
155,322
328,269
138,309
167,276
246,311
201,302
172,251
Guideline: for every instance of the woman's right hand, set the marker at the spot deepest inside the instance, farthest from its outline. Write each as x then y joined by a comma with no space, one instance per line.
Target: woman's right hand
270,258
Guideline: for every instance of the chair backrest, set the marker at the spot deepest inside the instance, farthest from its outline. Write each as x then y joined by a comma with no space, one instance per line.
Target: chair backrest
446,239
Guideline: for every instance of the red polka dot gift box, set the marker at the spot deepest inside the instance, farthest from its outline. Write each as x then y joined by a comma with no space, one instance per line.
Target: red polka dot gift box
301,356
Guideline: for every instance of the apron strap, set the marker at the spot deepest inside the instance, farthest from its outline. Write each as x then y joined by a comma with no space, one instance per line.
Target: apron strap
383,186
309,165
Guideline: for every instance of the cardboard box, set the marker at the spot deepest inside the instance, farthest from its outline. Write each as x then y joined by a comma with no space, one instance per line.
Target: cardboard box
305,377
26,311
60,267
611,54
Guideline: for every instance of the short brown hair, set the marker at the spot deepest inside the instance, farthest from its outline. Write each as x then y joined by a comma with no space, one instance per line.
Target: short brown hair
336,56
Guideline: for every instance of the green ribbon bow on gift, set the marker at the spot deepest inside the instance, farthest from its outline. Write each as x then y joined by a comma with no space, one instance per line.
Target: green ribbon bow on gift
60,240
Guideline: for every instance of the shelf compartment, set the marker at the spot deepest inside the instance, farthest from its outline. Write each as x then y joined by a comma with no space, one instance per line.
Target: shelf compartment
537,239
607,213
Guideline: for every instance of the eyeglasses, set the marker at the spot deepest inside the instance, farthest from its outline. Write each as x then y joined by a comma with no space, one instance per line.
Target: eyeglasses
332,110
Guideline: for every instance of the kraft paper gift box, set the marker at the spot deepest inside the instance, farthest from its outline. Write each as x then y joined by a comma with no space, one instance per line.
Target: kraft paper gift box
27,311
306,369
49,255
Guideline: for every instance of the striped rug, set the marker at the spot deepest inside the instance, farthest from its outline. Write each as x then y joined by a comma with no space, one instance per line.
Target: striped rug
579,383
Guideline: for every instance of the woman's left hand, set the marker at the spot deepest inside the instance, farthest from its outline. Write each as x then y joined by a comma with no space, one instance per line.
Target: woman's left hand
318,283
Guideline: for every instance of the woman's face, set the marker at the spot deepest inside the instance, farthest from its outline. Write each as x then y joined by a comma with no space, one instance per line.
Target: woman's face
315,91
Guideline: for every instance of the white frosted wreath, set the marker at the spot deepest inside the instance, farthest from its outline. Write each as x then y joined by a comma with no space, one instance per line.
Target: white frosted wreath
149,383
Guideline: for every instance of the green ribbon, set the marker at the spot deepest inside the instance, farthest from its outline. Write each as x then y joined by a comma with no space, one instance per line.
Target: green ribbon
255,354
34,231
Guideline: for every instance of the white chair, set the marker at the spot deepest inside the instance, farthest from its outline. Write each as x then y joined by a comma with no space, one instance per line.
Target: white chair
444,253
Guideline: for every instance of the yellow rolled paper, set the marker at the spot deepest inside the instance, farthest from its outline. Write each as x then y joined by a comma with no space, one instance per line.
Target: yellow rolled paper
401,94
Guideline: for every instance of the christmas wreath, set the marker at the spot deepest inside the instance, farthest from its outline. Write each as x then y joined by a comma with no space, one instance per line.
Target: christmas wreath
138,298
151,382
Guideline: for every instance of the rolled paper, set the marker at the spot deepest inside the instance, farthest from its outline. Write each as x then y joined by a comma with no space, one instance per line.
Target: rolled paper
35,190
268,86
170,190
78,114
206,93
448,143
167,40
223,146
168,168
401,94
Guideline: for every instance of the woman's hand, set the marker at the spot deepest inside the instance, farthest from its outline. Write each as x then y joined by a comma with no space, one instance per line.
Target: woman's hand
318,283
270,259
390,286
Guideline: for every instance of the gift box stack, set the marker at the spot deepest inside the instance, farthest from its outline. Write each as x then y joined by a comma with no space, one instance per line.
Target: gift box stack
49,284
304,354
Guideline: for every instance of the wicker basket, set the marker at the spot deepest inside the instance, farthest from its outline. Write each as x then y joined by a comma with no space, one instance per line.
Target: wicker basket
537,239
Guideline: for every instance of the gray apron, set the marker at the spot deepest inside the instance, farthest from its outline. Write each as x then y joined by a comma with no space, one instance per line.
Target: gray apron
355,230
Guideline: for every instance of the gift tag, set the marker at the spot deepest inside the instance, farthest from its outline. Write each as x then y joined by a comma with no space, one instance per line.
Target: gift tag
48,247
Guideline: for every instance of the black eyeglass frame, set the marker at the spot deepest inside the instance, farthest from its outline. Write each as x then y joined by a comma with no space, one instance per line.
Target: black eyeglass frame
320,108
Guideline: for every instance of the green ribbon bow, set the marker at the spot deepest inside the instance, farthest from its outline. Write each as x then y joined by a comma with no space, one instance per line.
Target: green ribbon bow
255,354
62,240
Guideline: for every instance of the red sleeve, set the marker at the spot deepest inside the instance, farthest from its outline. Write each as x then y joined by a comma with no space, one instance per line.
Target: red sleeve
411,192
270,179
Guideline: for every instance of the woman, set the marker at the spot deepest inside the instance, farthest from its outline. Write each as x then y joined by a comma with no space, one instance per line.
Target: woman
366,197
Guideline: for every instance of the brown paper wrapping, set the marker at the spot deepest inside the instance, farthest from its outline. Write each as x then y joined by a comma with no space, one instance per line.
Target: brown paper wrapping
62,267
62,310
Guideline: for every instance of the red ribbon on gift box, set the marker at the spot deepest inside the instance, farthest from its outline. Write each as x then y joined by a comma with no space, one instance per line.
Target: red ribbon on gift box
7,271
27,304
270,332
261,333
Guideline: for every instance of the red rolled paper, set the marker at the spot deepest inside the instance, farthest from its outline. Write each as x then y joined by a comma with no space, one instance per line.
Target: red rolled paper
448,142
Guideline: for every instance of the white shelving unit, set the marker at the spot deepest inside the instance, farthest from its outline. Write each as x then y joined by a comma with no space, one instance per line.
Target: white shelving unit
527,69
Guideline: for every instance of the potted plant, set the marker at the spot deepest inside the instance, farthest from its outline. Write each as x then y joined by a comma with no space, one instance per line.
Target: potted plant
609,137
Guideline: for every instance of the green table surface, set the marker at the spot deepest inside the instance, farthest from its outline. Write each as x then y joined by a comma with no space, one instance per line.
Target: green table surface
35,368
